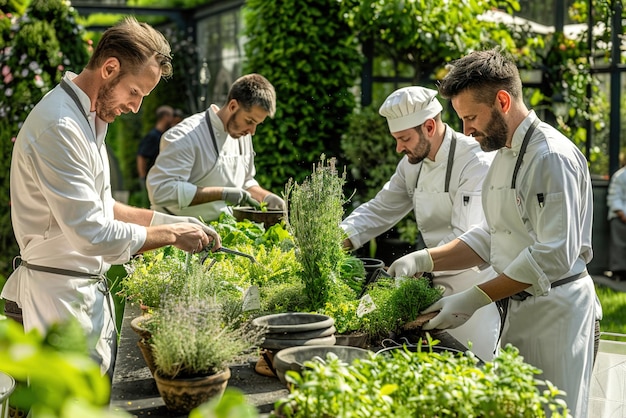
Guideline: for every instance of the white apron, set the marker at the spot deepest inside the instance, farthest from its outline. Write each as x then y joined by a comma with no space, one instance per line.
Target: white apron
433,211
555,332
229,171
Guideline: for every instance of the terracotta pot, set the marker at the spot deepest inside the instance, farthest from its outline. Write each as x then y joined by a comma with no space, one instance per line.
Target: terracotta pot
139,326
148,356
181,395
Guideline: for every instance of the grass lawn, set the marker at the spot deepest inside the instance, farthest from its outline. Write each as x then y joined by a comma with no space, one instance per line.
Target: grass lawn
614,310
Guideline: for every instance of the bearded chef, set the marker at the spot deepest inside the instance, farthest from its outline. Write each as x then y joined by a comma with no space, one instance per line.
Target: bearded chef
440,179
206,162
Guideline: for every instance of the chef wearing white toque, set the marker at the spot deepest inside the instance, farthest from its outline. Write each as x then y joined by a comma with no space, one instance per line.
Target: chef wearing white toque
440,179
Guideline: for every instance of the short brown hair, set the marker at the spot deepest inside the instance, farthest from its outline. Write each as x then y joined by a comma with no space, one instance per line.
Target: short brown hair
254,90
484,73
133,44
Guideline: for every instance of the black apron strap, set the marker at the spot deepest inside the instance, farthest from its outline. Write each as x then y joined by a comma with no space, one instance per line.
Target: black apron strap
448,168
522,151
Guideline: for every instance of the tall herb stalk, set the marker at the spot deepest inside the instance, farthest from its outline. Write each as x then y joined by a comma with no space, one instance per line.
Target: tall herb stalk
315,212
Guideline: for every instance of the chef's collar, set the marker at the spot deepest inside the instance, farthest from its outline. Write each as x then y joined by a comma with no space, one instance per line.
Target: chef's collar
520,132
444,148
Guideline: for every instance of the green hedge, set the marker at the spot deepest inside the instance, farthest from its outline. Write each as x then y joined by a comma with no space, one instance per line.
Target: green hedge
310,55
41,45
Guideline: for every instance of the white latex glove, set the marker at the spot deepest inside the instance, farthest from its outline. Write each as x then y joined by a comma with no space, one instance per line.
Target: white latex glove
456,309
274,202
235,196
160,218
410,264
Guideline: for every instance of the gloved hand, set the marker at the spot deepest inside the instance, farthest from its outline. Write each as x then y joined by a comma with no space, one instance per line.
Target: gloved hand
159,218
415,262
236,196
274,202
456,309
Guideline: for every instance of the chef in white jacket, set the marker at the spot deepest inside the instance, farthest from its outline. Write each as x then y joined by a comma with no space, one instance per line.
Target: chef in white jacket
440,179
538,205
206,162
68,227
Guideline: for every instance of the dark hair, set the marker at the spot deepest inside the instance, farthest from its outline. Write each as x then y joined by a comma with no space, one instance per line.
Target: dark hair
133,44
484,73
254,90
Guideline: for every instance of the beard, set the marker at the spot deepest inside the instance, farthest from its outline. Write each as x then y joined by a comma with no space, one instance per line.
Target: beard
421,150
232,127
495,137
105,107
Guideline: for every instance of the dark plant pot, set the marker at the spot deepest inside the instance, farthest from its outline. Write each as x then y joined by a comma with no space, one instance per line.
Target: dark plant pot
371,264
304,335
293,358
296,329
181,395
356,339
293,322
273,344
267,218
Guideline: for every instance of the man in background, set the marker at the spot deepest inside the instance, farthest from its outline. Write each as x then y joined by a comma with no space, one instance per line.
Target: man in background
206,162
149,145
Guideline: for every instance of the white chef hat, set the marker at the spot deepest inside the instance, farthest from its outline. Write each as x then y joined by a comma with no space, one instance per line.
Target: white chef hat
409,107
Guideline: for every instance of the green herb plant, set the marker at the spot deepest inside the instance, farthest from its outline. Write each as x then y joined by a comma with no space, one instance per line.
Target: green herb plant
191,338
398,304
421,384
315,211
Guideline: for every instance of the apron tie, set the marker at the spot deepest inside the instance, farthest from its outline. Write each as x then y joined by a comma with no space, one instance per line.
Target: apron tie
102,281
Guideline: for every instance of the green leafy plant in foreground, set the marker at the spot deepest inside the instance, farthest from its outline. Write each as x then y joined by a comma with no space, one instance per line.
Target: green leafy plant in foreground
420,384
63,381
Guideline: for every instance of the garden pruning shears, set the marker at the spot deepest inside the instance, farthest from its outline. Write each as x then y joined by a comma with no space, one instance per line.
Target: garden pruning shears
207,251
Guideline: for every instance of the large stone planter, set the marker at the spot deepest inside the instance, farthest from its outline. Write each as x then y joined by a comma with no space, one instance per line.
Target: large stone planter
293,358
296,329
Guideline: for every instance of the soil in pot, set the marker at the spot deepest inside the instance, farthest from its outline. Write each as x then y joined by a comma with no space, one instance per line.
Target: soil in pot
181,395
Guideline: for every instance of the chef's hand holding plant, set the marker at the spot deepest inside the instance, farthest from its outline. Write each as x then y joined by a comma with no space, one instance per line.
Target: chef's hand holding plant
454,310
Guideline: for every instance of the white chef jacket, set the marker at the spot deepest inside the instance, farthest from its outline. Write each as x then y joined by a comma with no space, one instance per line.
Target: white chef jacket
538,233
616,200
62,215
188,159
441,217
616,196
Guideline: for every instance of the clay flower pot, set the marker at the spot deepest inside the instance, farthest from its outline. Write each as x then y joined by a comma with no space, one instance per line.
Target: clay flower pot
181,395
139,326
